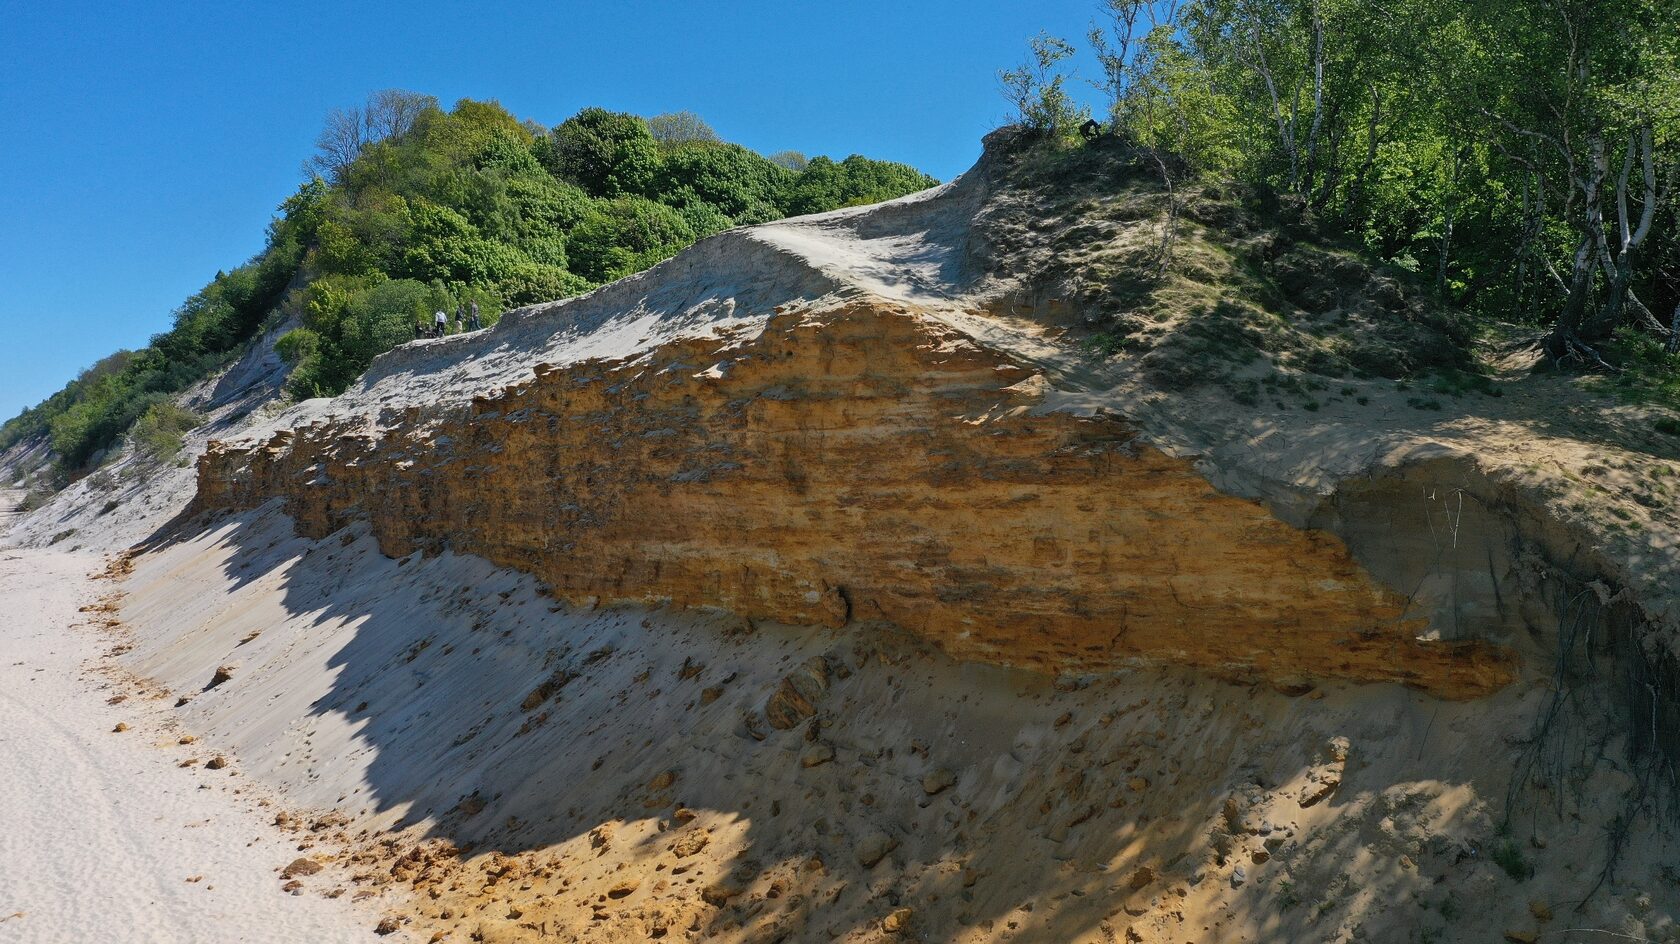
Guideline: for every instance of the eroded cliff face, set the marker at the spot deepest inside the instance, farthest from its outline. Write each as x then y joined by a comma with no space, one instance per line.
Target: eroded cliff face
858,463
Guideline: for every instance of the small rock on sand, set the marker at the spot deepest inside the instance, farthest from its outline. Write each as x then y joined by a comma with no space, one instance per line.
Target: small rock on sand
874,847
120,728
897,921
690,843
938,780
720,892
300,866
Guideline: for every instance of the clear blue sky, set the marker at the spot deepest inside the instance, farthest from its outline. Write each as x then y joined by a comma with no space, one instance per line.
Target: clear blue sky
145,146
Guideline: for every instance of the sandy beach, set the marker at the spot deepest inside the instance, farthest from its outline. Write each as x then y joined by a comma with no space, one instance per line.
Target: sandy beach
102,836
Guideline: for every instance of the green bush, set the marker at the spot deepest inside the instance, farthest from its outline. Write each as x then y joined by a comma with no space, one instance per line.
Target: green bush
1510,858
159,430
738,183
297,345
606,153
539,283
825,185
349,322
626,235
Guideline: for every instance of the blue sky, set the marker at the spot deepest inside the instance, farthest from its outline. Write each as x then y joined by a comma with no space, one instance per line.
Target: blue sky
145,146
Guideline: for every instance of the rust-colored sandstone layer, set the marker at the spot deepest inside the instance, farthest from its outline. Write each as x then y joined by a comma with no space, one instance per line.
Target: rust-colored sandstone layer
861,463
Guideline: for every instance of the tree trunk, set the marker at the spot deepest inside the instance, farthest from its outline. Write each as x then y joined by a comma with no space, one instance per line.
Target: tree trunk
1565,339
1630,236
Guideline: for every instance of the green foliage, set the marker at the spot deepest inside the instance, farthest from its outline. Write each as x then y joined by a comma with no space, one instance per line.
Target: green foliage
297,345
1509,857
442,244
739,184
626,235
423,209
1038,88
855,181
1649,372
677,127
159,430
347,323
606,153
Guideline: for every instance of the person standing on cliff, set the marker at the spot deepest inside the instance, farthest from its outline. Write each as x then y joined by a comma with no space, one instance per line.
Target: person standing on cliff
460,318
473,323
440,324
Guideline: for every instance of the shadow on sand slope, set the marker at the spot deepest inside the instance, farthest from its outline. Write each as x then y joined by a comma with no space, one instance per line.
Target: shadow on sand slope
630,773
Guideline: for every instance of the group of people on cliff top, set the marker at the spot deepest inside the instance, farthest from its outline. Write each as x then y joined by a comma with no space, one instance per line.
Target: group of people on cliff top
466,319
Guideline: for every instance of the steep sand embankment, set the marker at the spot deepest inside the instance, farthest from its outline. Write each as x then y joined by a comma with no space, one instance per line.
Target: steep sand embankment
536,770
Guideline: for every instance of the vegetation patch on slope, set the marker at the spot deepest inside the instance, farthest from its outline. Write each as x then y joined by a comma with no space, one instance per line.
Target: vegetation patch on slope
1206,281
411,209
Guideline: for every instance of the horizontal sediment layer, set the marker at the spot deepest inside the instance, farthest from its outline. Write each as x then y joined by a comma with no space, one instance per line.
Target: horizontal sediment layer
860,463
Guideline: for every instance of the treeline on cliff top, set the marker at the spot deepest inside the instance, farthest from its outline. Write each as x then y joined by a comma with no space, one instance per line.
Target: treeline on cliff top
410,209
1521,156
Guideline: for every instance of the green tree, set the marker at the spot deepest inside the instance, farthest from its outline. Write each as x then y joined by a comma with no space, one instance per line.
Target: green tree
743,186
826,185
626,235
680,127
606,153
1037,89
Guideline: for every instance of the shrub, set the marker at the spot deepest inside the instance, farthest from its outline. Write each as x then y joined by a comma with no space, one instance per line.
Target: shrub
540,283
1510,858
297,345
740,184
606,153
826,185
347,324
159,431
625,235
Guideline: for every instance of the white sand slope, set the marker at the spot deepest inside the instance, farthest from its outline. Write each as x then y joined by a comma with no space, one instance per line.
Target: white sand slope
102,838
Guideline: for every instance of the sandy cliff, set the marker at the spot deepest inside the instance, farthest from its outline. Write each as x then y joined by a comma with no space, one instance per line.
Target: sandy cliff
904,571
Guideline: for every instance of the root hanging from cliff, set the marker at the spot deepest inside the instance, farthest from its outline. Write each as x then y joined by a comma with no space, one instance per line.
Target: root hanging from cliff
1575,730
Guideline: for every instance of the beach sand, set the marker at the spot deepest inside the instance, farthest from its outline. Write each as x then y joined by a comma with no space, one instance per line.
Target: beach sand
102,836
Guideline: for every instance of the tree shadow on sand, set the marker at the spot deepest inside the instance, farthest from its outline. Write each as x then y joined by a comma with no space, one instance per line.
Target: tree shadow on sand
570,747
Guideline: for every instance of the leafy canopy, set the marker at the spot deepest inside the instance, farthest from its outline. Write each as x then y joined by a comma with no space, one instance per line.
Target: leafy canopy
410,209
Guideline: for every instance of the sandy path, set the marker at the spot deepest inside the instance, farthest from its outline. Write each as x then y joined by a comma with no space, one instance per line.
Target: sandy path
99,831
